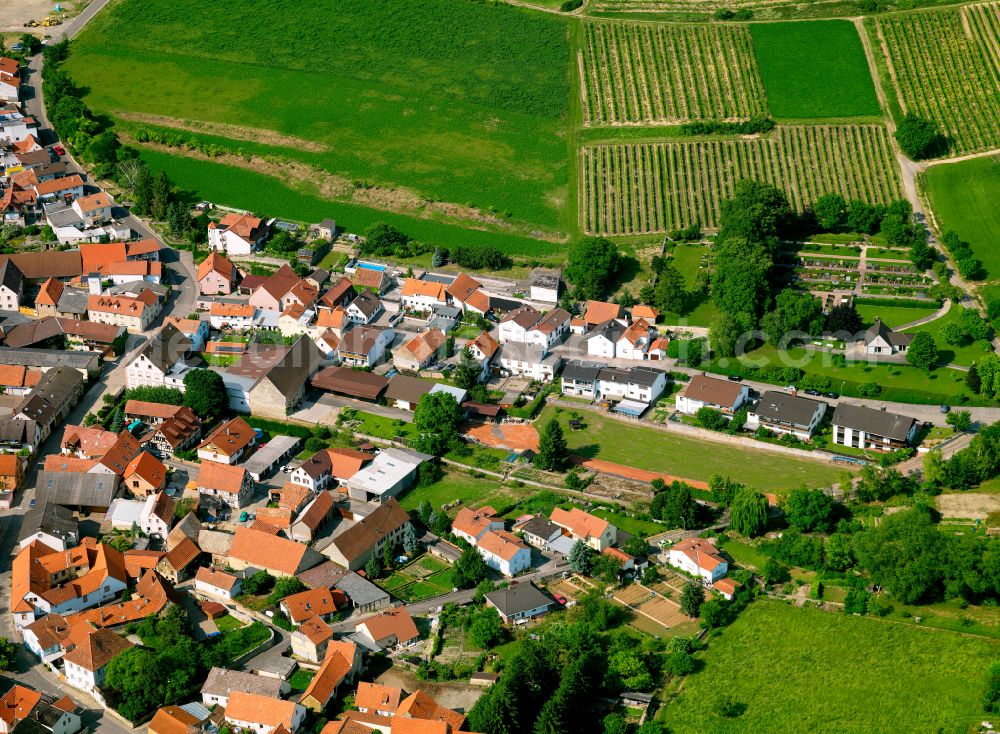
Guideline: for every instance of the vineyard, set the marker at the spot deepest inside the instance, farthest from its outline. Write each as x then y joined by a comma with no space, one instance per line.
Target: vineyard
946,66
646,74
642,188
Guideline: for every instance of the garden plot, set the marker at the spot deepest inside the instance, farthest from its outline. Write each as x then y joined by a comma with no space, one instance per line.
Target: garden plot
421,578
652,605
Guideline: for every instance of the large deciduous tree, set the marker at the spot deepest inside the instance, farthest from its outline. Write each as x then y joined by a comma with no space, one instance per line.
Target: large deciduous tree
205,394
748,512
922,352
436,419
592,267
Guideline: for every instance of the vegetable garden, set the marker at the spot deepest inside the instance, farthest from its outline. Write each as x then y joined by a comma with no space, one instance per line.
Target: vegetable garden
649,74
642,188
946,66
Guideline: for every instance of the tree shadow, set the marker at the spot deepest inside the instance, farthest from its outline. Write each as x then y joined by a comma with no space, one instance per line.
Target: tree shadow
588,451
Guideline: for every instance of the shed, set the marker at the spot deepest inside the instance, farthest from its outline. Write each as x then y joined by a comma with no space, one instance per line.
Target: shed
270,455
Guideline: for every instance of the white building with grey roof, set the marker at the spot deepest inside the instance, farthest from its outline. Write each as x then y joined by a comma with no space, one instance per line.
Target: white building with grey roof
867,428
785,413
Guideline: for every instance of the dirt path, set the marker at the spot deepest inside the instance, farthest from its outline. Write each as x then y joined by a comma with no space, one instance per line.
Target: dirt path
639,475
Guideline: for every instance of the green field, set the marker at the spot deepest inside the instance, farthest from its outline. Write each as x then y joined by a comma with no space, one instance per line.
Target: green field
963,355
964,198
892,316
267,195
691,458
688,260
814,69
459,101
457,485
804,670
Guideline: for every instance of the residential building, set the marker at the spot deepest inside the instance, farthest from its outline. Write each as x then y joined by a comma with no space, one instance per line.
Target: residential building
237,234
423,295
420,351
539,532
867,428
700,558
217,276
178,565
579,378
224,484
518,602
11,286
135,314
363,595
484,348
515,325
314,518
880,339
374,278
175,720
280,557
275,293
471,525
374,698
220,683
702,391
50,524
194,329
229,442
784,413
11,477
60,189
602,340
353,547
329,466
51,400
311,639
528,360
392,628
340,667
312,603
726,587
10,80
596,532
364,346
91,492
641,384
363,308
550,329
44,637
179,432
19,435
85,665
600,312
145,475
234,316
214,582
338,295
392,471
160,363
404,392
157,515
504,552
252,712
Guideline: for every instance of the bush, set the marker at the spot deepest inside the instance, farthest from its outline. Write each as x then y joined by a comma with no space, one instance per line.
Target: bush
571,5
752,126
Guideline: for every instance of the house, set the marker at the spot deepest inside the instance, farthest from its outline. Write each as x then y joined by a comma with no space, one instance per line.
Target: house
259,714
602,340
51,400
327,466
312,603
10,80
93,209
596,532
11,476
420,351
484,348
86,663
515,325
135,314
189,527
338,295
311,639
50,524
194,329
374,698
179,563
392,628
353,547
19,435
364,346
504,552
280,289
160,363
545,285
550,329
333,320
174,720
404,392
880,339
340,666
352,383
518,602
529,360
363,308
225,484
698,557
81,492
392,471
640,342
373,278
702,391
157,515
423,295
641,384
145,475
784,413
420,706
229,442
471,525
11,286
44,637
237,234
280,557
313,518
539,531
650,314
234,316
282,387
179,432
48,297
60,189
867,428
214,582
17,379
220,683
579,378
217,276
726,587
600,312
363,595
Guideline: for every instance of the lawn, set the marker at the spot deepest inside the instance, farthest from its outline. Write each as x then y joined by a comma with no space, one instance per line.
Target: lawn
457,485
301,679
687,259
655,450
631,525
964,354
807,670
964,198
893,316
460,101
237,187
228,622
838,83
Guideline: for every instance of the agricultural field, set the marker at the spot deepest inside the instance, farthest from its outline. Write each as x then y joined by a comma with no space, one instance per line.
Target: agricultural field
964,198
838,83
469,107
694,10
641,188
807,670
946,66
658,74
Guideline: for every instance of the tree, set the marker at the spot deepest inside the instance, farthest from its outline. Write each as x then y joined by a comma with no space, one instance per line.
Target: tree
972,380
863,217
606,568
675,505
592,267
954,335
553,451
991,691
382,239
436,419
922,352
258,583
160,196
373,569
809,510
615,724
757,211
748,513
844,319
486,629
285,586
741,284
794,311
692,597
469,569
409,539
468,371
671,294
726,333
8,653
920,138
775,572
387,549
117,422
205,394
935,467
710,418
830,211
581,558
960,420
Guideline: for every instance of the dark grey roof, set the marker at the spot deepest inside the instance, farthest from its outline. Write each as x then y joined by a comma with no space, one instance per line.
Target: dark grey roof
504,305
17,430
10,319
644,376
46,358
877,422
541,527
785,408
164,349
329,223
581,371
319,275
367,302
408,389
448,312
11,276
296,367
73,489
73,300
518,598
442,278
360,590
50,518
895,338
135,287
611,330
527,352
545,278
55,388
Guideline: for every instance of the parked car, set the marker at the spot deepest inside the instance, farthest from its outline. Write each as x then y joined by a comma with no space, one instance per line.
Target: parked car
831,395
244,515
31,505
58,150
817,393
945,408
735,378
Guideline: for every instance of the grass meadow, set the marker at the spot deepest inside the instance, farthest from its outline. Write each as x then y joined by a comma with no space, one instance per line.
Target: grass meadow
798,670
814,69
892,316
460,101
964,198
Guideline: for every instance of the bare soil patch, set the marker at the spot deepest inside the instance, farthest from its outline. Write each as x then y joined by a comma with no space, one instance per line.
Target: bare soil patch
968,506
236,132
452,695
511,436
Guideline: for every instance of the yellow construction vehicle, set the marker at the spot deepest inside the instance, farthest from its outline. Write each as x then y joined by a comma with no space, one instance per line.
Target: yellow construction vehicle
51,22
31,24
